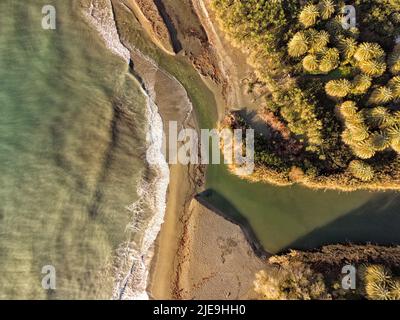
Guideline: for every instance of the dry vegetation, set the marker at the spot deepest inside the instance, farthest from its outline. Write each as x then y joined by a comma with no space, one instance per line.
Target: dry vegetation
317,274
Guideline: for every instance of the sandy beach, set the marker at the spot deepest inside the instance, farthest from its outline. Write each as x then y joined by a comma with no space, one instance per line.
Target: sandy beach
186,263
198,253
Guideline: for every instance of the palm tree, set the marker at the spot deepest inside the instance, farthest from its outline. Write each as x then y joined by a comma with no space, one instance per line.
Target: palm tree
395,67
330,61
347,137
361,84
368,51
394,84
298,45
380,141
377,291
338,88
348,46
355,121
361,170
326,9
381,95
373,68
318,40
396,117
334,26
394,131
395,144
364,150
380,117
310,63
395,290
377,281
359,133
309,15
348,109
376,273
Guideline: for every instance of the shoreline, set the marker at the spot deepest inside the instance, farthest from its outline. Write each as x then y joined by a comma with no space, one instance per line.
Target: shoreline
164,267
132,274
165,264
183,180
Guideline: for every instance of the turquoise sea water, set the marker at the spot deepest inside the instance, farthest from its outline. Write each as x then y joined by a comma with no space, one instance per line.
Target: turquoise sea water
69,161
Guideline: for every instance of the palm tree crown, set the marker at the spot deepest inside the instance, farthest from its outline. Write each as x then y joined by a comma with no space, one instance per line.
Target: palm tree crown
309,15
298,45
368,51
326,9
338,88
361,84
361,170
381,95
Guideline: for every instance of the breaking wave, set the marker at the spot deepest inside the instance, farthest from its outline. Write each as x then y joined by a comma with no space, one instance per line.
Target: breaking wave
133,257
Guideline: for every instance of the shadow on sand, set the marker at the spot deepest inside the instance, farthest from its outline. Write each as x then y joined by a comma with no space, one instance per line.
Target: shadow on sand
215,202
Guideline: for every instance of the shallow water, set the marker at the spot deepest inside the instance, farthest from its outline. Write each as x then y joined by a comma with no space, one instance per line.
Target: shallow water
70,160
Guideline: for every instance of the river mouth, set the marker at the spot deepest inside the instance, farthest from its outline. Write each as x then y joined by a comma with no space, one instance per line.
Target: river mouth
52,161
283,217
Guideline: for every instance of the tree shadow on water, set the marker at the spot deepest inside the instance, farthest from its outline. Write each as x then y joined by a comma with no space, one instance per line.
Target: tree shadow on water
376,222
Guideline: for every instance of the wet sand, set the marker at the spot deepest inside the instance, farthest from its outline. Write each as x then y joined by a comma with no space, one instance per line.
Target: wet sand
218,262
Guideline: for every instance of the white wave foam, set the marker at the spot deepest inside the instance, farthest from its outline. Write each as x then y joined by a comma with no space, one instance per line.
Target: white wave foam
102,19
152,195
133,257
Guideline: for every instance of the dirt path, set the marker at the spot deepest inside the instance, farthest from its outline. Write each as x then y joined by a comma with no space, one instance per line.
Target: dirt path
233,64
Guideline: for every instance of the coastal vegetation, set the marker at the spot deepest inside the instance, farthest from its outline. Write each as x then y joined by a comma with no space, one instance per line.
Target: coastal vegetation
318,274
334,87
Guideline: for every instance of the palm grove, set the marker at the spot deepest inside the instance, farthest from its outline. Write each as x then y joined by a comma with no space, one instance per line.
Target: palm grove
336,89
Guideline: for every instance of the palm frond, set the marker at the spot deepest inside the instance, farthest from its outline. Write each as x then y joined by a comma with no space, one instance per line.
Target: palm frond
310,63
348,47
326,9
361,170
309,15
338,88
368,51
361,84
298,45
373,68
